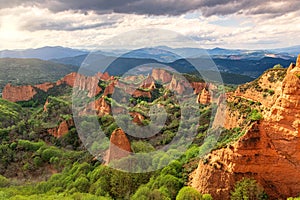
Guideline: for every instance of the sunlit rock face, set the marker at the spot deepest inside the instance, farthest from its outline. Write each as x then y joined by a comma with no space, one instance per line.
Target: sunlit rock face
270,149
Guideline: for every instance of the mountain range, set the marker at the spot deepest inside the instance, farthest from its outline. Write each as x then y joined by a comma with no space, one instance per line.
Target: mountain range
161,53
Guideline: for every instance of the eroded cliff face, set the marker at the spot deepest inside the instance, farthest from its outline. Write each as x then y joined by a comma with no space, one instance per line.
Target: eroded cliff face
26,93
18,93
204,97
270,149
84,83
161,75
45,86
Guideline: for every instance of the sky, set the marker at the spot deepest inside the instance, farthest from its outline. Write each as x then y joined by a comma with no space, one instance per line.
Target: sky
234,24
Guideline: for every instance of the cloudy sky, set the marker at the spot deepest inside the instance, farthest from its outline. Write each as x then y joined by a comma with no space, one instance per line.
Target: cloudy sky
251,24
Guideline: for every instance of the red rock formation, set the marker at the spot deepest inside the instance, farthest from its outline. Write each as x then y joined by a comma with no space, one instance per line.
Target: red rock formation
148,83
69,79
89,84
85,83
119,146
109,90
62,129
45,105
161,75
179,85
269,157
268,152
105,77
45,86
18,93
99,106
140,93
198,87
137,117
25,93
204,97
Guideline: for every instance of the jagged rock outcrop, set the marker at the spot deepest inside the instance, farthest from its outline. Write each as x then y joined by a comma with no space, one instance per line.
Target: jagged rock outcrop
161,75
268,152
179,85
99,107
45,86
137,117
140,93
119,146
45,105
106,77
198,87
204,97
18,93
109,90
148,83
81,82
62,129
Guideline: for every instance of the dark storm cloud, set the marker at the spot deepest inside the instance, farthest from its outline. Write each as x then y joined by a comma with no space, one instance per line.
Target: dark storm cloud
66,26
164,7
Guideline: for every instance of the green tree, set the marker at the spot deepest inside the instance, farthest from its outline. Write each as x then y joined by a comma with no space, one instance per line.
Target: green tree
82,184
188,193
248,189
255,115
207,197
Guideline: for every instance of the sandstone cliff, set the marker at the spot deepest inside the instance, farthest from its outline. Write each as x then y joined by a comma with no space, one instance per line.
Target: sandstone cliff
269,151
18,93
86,83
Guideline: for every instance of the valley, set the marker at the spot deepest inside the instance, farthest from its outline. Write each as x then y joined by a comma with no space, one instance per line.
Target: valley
223,138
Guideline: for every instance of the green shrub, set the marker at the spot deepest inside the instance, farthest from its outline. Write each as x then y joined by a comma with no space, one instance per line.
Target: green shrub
188,193
13,145
4,182
47,154
207,197
248,189
37,161
141,147
82,184
30,146
142,193
255,115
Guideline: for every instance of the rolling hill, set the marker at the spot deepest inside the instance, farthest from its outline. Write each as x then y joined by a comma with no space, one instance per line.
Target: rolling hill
31,71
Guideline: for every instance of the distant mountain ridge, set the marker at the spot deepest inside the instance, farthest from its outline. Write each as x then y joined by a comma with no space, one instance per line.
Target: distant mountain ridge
44,53
162,53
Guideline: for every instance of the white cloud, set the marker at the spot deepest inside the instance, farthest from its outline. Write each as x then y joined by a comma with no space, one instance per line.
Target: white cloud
31,27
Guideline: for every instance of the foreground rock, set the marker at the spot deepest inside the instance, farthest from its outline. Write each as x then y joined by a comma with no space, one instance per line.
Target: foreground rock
270,149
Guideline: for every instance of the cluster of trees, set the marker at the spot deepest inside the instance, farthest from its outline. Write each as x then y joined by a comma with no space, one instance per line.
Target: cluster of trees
246,189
